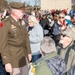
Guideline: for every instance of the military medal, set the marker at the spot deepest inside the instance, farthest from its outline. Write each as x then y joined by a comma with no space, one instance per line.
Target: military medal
12,26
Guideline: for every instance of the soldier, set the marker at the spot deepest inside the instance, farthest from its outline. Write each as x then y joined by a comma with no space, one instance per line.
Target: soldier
14,41
66,48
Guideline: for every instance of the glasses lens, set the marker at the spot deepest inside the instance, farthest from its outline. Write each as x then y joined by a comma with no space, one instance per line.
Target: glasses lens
61,17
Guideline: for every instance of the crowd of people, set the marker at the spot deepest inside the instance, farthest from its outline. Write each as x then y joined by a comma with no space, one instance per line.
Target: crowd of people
44,38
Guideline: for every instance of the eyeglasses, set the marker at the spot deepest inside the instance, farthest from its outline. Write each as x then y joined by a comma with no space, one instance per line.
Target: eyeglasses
30,22
63,35
61,17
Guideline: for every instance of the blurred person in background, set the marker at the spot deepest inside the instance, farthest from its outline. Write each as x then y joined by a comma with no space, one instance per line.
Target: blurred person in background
44,22
73,20
59,25
62,21
56,28
72,11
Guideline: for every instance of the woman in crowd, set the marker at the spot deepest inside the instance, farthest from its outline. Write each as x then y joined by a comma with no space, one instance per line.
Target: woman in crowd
62,21
35,35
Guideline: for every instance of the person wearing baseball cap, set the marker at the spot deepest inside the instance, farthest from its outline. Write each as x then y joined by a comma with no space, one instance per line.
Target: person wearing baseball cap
66,48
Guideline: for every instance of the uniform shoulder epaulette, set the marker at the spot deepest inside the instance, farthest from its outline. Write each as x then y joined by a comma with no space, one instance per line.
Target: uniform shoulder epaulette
6,19
3,21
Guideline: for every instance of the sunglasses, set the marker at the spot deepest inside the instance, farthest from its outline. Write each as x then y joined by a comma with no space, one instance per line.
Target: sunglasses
63,35
61,17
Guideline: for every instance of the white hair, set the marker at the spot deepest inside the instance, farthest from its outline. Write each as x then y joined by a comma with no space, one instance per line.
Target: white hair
33,18
12,10
33,13
48,45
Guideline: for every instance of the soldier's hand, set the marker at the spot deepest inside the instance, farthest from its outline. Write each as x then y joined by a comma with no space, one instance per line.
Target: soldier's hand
29,57
8,67
29,32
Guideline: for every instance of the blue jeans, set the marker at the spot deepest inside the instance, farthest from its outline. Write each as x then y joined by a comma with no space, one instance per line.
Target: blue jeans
2,69
35,57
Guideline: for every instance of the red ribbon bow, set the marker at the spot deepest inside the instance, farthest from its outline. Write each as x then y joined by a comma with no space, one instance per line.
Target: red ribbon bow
1,24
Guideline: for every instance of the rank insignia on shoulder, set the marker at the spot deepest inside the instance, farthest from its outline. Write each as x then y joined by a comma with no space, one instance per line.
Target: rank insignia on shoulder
13,26
1,24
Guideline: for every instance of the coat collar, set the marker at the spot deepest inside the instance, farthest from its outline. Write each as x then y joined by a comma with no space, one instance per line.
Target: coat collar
13,21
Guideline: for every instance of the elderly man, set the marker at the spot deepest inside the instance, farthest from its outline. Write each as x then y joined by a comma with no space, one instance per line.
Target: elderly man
14,43
66,48
50,63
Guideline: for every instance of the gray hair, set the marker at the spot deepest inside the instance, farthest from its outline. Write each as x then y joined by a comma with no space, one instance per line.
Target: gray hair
33,18
48,45
12,9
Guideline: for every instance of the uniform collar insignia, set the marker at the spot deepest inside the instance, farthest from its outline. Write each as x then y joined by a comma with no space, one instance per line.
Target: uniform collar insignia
13,26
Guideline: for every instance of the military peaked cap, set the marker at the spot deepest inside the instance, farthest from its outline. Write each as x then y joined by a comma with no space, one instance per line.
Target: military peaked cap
17,5
70,32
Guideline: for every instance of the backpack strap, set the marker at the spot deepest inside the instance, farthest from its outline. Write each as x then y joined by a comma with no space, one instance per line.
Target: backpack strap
68,51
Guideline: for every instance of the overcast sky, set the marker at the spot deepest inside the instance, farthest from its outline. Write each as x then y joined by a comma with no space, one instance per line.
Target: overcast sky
29,2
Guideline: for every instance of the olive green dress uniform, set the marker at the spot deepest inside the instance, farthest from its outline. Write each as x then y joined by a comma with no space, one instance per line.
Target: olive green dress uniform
68,54
14,42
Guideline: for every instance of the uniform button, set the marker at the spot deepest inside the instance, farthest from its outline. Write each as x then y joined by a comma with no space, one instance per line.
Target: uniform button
15,34
12,50
4,56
